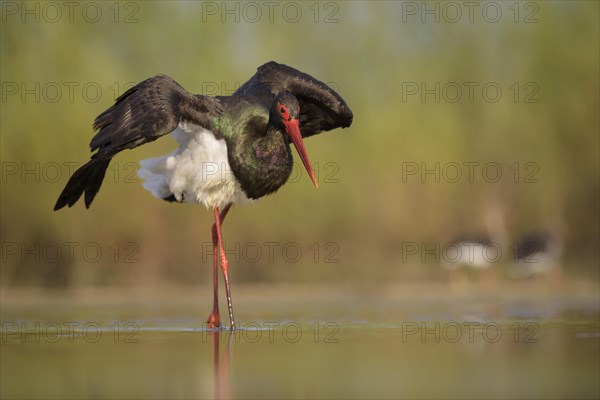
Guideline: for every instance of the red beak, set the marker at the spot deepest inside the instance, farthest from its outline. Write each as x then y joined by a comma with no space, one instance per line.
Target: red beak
292,127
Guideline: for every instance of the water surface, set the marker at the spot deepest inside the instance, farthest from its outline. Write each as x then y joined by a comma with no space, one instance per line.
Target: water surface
348,347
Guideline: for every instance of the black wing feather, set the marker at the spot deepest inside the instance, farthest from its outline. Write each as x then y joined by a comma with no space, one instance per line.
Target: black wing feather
147,111
321,107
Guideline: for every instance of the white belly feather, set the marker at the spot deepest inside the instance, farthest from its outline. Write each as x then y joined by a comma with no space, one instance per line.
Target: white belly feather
197,172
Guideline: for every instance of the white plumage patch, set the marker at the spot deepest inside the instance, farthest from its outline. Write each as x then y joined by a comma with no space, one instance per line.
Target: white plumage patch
197,172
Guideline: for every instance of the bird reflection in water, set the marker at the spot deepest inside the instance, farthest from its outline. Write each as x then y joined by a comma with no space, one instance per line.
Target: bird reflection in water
221,362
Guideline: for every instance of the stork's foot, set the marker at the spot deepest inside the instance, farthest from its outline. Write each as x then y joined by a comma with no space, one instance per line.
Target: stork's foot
214,320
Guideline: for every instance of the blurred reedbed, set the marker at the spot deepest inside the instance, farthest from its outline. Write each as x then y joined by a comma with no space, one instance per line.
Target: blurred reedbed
457,138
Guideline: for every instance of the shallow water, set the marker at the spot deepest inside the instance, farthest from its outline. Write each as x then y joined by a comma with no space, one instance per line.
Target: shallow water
544,347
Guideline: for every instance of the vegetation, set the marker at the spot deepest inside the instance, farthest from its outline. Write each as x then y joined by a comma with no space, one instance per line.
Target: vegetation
425,96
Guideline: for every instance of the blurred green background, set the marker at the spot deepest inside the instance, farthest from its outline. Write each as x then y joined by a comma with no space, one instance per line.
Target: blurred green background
385,58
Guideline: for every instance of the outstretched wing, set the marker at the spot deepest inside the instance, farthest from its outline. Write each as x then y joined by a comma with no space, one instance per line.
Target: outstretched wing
321,107
147,111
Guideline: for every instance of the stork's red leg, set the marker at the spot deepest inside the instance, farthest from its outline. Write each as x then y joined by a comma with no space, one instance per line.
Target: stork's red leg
214,319
224,262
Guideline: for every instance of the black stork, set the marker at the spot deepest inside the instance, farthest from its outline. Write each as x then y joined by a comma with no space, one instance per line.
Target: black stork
233,149
536,254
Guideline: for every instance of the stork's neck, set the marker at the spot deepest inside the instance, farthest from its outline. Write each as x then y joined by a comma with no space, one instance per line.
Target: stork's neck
261,163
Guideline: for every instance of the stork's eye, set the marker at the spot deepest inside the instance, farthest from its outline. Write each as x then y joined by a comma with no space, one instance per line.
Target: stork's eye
285,113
